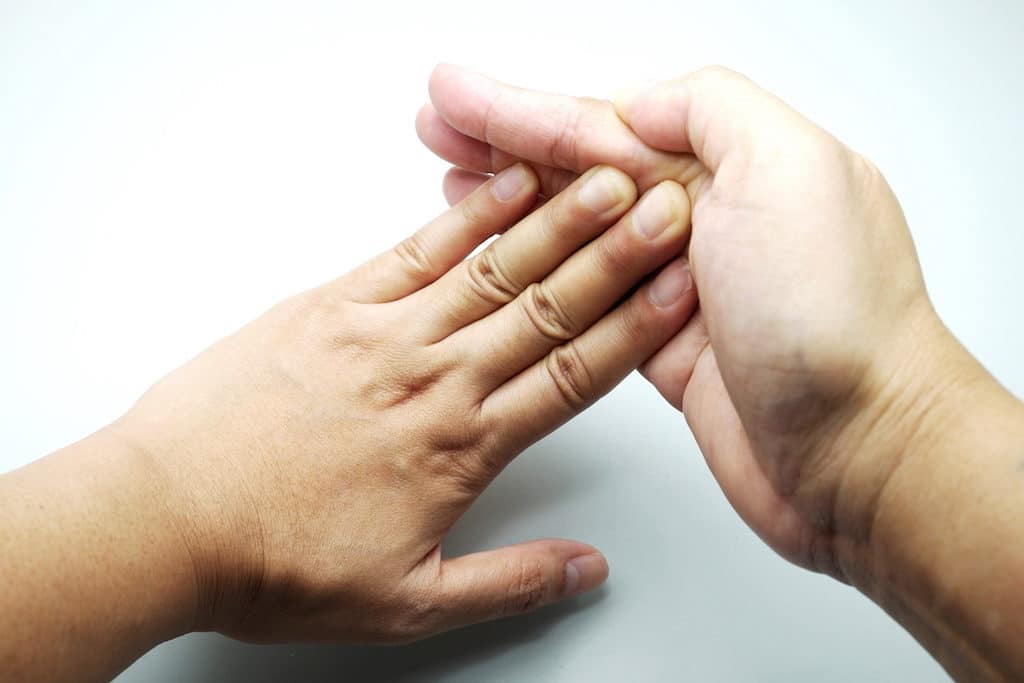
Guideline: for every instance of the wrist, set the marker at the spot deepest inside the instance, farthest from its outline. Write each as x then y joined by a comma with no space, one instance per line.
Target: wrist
100,575
149,547
210,518
934,541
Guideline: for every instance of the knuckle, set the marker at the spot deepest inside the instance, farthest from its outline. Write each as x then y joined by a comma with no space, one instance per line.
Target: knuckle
407,374
472,210
547,314
613,252
488,280
637,319
415,257
564,150
527,589
570,376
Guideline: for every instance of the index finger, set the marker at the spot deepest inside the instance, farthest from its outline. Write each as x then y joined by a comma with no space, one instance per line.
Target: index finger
559,131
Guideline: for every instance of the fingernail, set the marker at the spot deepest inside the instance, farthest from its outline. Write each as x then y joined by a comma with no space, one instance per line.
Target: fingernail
671,284
510,183
602,191
655,213
584,573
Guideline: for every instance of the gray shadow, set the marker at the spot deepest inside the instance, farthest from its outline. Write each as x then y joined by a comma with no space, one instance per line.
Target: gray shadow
427,660
527,487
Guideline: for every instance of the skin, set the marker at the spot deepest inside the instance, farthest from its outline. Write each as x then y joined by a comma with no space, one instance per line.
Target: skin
841,418
296,480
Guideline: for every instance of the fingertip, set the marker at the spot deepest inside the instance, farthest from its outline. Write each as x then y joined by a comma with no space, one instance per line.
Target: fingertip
425,118
657,114
584,573
514,182
678,198
462,97
605,190
671,285
663,212
458,183
625,100
622,180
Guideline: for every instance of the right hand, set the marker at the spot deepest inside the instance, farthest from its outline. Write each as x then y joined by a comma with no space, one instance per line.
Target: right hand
817,356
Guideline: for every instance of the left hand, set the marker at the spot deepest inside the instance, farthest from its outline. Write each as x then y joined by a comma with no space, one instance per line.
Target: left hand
315,460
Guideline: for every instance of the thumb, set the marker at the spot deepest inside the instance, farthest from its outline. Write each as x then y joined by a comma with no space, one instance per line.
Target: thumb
714,114
516,579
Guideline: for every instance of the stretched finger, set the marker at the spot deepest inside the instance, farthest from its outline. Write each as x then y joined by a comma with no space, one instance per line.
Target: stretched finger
512,580
435,249
580,291
474,155
526,253
577,373
570,133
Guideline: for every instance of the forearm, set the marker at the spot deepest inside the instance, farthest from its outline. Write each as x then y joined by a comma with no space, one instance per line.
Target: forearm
946,555
93,574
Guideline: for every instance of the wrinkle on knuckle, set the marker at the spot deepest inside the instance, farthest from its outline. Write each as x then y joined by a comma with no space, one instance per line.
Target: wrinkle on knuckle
634,320
527,589
564,148
472,211
570,376
415,257
488,280
406,377
547,314
613,253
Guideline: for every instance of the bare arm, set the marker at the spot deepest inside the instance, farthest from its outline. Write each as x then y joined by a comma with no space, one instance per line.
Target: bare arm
295,481
94,570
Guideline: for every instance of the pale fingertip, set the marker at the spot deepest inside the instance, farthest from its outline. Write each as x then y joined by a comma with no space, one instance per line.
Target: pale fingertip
513,182
665,205
605,189
671,284
584,573
424,119
459,183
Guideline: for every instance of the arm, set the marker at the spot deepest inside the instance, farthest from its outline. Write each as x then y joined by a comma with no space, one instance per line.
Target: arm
93,573
295,481
841,418
944,553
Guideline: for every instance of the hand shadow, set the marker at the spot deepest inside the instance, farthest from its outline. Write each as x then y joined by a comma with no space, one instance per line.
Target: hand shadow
528,487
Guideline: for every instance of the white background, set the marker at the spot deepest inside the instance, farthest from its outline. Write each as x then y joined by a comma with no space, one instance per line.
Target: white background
168,170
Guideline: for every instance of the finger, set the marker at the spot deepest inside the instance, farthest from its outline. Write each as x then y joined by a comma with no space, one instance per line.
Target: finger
516,579
713,113
526,253
459,183
433,250
558,131
473,155
671,367
574,375
580,291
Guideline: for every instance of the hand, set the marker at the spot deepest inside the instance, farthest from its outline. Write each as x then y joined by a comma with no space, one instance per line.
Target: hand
314,461
816,356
